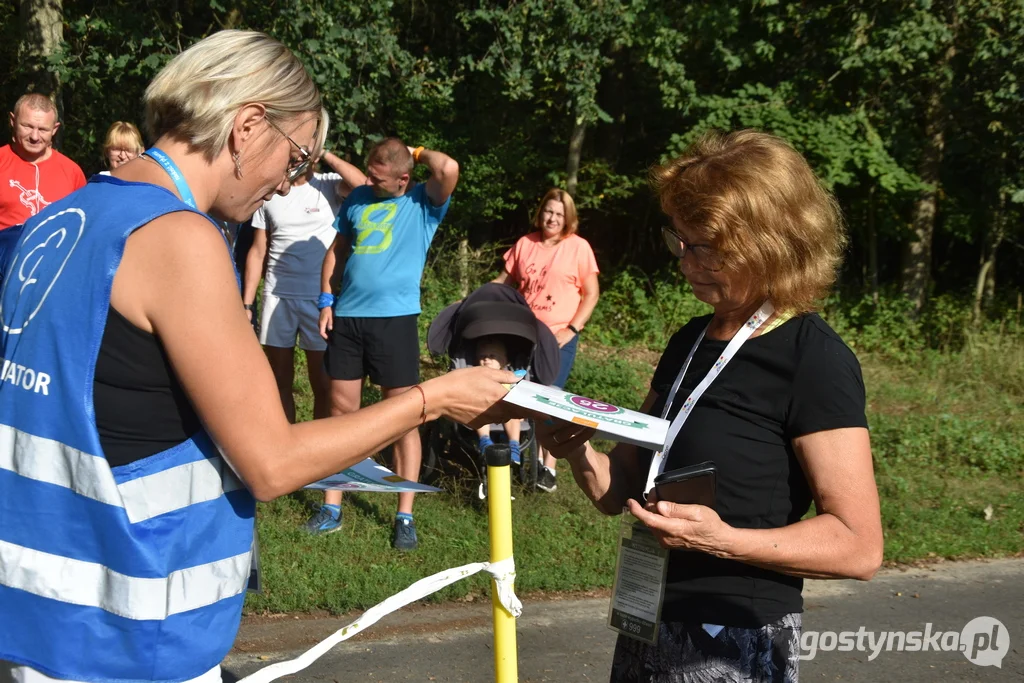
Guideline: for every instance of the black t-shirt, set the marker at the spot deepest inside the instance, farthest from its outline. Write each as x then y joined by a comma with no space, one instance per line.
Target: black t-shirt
141,407
797,379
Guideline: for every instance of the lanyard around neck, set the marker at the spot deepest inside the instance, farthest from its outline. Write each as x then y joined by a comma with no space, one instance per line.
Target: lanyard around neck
755,321
158,155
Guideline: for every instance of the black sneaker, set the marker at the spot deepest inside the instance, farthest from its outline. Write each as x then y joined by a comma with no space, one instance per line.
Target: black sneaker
405,535
546,480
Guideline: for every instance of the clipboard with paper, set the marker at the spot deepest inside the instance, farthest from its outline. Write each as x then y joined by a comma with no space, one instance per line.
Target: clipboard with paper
611,422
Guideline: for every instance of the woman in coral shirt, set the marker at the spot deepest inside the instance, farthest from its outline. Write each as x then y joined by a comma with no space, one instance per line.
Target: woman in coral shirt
555,270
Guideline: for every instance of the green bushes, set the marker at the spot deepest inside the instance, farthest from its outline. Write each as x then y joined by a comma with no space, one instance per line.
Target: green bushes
637,311
618,380
887,326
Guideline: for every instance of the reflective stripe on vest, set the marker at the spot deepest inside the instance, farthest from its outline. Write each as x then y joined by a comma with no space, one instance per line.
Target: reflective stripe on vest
142,498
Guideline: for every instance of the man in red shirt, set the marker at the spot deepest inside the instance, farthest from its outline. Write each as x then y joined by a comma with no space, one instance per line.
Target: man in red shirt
32,173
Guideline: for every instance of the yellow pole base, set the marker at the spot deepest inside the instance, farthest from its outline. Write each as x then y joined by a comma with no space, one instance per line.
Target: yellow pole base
499,515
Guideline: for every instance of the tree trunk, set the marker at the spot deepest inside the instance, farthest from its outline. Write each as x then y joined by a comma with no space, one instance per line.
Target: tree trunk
572,166
872,230
464,267
42,30
984,288
990,281
917,255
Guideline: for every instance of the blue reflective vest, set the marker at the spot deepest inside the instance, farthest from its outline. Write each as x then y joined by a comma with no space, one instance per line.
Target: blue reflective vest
106,574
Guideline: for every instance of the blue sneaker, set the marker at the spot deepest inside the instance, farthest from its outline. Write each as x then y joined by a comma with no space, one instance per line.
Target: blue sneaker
405,535
323,522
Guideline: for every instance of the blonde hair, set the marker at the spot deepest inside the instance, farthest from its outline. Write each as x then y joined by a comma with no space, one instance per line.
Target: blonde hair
36,102
757,201
123,135
572,221
197,95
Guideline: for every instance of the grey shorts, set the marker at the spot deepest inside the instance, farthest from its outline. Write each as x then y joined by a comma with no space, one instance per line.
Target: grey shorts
686,653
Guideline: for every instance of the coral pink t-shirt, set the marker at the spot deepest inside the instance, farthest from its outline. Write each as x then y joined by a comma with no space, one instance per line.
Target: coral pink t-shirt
551,278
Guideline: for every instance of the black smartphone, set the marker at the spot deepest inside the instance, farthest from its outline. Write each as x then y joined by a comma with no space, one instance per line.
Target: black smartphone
693,485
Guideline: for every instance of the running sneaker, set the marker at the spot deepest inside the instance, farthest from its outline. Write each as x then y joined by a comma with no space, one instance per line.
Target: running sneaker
323,522
546,480
405,535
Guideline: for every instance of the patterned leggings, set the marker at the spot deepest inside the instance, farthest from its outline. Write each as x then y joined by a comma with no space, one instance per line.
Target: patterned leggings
686,653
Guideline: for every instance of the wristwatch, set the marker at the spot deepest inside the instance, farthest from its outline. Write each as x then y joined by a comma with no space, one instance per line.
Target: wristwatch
574,330
249,307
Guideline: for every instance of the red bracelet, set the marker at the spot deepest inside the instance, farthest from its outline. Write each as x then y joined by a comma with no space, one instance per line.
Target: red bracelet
423,412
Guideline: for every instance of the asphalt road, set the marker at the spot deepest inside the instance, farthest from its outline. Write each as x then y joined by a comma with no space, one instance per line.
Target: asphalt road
567,640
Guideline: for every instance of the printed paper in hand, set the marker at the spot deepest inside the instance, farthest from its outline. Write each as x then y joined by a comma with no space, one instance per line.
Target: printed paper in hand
370,476
611,422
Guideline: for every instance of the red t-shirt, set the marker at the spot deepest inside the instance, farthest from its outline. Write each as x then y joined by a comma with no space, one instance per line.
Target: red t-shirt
551,278
27,188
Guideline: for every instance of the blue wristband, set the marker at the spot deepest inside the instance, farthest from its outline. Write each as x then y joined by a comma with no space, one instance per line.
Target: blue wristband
326,300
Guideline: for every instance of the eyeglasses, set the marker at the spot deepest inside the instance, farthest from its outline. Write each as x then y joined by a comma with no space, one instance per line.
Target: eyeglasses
707,257
296,169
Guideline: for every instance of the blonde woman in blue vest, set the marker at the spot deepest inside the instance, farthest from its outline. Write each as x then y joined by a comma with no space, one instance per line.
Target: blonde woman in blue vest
139,418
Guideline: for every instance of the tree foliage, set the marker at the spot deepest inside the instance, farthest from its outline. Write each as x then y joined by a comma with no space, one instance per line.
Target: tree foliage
521,90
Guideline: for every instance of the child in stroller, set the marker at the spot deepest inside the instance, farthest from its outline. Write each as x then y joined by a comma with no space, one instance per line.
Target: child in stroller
491,352
467,332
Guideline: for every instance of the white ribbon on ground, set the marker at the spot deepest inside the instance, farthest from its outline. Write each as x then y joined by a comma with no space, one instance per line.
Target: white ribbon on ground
503,573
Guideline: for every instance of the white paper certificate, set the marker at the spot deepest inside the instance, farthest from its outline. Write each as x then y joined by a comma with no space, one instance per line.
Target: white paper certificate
639,590
611,422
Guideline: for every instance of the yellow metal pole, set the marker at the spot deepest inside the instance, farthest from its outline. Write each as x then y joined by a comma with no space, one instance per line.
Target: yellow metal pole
499,515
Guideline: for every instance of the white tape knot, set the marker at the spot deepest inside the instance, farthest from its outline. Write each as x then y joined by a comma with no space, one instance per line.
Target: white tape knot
504,574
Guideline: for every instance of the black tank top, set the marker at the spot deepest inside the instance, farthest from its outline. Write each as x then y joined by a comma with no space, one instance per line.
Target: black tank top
141,408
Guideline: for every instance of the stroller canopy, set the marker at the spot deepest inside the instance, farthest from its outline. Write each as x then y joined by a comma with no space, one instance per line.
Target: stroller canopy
495,309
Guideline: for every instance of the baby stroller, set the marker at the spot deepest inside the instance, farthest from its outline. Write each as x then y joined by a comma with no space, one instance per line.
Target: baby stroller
493,309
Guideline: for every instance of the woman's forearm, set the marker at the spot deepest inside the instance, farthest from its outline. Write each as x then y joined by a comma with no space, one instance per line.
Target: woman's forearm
309,451
822,547
586,308
604,478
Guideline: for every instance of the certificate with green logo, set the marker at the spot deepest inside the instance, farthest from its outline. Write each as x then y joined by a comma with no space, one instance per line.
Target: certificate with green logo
610,421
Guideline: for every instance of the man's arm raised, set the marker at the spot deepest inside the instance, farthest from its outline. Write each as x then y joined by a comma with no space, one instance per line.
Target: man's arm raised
444,173
351,176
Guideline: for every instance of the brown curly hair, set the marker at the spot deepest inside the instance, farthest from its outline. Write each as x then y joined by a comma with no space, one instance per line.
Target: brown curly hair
756,200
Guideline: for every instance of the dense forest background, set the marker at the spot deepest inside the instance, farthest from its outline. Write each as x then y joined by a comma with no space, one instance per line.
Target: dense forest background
912,111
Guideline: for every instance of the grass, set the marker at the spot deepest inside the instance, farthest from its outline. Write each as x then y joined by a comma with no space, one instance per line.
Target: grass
561,544
948,439
947,435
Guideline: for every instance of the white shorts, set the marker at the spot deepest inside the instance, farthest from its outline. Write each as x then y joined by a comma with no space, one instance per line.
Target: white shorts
283,319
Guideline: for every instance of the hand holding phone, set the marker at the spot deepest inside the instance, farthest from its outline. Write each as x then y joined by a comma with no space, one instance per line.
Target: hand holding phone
693,485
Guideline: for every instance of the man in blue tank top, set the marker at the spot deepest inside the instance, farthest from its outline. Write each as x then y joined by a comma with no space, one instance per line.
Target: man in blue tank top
384,231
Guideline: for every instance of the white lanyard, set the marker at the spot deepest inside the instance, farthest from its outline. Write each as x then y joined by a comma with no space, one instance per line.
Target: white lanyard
658,461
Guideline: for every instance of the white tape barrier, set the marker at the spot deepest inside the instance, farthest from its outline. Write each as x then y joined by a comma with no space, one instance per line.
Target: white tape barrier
503,572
